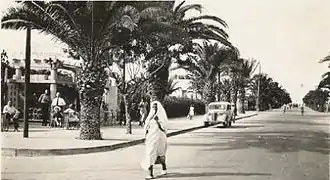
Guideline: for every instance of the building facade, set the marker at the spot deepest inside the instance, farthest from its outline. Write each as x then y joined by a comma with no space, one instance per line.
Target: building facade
182,81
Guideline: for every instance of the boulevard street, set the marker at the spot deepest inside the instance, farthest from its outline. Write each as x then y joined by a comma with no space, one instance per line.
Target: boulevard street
271,145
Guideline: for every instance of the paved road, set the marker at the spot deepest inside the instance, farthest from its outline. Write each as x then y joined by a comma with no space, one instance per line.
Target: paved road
271,145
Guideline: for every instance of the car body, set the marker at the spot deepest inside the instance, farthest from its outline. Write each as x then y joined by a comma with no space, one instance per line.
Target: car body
219,112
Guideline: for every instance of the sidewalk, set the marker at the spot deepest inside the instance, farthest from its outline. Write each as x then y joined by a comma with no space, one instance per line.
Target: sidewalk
44,141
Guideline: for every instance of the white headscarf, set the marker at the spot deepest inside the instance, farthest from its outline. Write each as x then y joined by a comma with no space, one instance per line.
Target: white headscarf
161,113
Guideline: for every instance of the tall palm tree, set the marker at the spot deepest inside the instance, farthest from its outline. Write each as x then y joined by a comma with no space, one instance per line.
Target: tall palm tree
225,89
271,93
177,30
325,82
233,70
88,34
327,58
265,81
205,67
245,72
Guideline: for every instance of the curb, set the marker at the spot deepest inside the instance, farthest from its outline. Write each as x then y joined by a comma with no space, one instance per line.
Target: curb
14,152
251,115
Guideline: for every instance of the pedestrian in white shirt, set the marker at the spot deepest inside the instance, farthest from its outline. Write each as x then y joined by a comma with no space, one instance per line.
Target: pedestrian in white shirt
11,114
191,112
58,104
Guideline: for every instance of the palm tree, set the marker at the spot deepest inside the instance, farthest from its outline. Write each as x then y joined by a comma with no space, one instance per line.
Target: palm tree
325,82
176,30
224,88
245,72
210,60
88,34
264,98
327,58
233,70
271,93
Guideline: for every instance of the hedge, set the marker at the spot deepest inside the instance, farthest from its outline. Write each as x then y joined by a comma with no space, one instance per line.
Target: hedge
174,106
179,107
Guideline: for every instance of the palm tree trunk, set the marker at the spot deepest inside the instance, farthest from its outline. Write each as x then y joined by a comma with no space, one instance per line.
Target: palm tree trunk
128,117
228,96
91,84
90,120
234,98
208,91
241,100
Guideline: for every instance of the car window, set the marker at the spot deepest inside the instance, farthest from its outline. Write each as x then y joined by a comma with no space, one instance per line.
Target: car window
217,106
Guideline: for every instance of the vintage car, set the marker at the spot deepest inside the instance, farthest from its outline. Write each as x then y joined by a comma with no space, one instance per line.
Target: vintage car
219,112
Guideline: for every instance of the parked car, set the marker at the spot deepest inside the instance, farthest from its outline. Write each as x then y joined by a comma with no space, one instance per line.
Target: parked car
219,112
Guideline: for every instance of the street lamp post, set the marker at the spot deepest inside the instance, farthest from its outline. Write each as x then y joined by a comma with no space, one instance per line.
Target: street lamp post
258,93
27,82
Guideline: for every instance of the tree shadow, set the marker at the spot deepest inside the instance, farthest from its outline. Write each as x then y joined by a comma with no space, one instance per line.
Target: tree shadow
38,130
278,142
116,139
209,174
196,144
290,122
239,126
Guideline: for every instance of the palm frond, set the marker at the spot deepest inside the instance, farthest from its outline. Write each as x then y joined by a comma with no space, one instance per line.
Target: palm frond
179,6
327,58
207,17
326,75
186,8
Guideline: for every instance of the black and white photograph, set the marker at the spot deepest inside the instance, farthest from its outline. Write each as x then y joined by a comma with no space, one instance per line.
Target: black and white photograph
173,90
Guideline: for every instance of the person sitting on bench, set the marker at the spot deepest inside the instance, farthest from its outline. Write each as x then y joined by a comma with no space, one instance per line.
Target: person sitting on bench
11,115
71,117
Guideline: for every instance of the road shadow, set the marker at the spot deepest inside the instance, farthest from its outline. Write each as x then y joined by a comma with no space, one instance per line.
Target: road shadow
275,141
209,174
239,126
290,122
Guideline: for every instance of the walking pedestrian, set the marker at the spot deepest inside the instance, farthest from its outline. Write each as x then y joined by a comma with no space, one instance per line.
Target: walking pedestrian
302,110
156,140
105,105
191,112
143,112
122,114
44,101
11,115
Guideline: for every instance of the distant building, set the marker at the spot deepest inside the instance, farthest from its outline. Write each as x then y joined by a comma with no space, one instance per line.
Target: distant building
182,80
51,75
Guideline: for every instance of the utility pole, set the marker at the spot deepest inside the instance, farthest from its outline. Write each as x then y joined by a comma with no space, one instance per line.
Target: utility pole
258,95
27,81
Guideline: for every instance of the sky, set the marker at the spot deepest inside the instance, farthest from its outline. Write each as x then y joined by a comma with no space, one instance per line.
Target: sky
288,38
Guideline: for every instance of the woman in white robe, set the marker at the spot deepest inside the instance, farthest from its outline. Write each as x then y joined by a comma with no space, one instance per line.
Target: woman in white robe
155,127
191,112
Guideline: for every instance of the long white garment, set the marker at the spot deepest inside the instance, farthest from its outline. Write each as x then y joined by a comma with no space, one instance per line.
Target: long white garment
156,140
191,111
